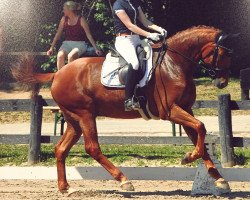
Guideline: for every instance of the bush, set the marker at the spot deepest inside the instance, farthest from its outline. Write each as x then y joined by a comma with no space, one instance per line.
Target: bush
45,39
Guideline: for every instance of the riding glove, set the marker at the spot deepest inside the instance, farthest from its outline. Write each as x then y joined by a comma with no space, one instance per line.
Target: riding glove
154,36
163,31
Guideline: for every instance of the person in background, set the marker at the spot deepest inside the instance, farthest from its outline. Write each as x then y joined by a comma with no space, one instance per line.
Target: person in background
76,31
127,13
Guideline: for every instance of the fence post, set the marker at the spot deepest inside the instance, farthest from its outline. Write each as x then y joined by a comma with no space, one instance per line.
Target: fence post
244,95
173,129
245,84
35,129
225,129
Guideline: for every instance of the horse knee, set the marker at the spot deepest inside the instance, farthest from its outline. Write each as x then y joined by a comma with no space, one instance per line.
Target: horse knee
60,153
201,128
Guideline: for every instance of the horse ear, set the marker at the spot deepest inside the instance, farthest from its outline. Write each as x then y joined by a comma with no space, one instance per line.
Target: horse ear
224,36
236,35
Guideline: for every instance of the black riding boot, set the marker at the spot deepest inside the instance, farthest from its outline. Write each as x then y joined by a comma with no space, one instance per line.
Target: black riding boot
129,90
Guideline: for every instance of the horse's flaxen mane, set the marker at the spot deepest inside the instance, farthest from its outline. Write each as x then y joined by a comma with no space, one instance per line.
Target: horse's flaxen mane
195,32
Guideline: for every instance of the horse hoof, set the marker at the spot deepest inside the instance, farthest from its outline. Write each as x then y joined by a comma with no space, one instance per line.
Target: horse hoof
127,186
186,160
222,184
68,192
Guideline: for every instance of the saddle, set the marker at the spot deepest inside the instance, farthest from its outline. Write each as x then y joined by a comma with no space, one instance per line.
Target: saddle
115,67
142,57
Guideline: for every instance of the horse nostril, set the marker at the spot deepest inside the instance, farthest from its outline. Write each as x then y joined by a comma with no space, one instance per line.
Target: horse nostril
222,85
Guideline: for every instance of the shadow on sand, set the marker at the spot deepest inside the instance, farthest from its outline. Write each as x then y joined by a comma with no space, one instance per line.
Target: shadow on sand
177,193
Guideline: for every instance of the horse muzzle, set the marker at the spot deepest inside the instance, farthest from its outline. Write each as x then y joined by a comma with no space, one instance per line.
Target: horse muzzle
220,83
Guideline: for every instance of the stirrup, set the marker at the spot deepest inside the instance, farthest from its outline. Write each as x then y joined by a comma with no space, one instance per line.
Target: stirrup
128,105
132,104
135,103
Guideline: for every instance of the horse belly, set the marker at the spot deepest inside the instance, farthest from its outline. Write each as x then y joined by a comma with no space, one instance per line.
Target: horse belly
110,103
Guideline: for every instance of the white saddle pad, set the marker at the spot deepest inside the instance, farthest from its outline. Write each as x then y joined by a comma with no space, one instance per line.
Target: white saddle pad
110,77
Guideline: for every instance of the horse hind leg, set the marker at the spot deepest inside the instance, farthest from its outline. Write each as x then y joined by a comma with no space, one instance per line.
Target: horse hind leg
92,147
69,138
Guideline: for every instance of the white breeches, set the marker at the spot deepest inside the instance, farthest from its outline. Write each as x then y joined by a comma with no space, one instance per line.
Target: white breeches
126,46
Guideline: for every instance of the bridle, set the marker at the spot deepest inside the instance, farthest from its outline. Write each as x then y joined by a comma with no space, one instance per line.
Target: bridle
212,69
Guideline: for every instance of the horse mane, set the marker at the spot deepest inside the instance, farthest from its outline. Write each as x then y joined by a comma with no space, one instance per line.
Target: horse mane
193,33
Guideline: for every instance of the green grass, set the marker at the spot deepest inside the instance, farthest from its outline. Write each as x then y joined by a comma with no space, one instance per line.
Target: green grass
207,91
120,155
23,117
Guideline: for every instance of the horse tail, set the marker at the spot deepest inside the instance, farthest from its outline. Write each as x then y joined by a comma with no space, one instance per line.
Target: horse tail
23,72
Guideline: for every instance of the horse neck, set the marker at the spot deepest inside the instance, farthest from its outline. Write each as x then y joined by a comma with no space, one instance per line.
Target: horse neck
190,45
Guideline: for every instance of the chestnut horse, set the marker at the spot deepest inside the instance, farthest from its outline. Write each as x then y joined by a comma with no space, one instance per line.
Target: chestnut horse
171,93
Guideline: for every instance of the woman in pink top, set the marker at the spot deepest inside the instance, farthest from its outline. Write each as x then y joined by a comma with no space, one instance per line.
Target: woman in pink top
76,32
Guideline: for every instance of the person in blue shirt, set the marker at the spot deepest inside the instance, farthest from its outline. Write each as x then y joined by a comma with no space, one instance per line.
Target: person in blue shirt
127,13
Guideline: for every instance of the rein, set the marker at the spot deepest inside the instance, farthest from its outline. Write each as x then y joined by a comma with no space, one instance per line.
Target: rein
212,72
212,69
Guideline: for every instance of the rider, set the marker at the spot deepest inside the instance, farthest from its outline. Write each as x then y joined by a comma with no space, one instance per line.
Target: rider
127,13
76,31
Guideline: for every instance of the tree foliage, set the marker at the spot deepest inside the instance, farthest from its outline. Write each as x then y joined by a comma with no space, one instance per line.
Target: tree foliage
177,15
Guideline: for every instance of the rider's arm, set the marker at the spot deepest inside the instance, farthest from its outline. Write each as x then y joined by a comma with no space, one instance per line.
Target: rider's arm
147,23
132,27
58,33
86,28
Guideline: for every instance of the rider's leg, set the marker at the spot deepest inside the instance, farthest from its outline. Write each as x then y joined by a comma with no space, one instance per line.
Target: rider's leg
126,46
131,82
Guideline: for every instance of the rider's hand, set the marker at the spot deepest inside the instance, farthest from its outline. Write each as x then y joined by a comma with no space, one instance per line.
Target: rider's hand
163,31
98,52
154,36
50,52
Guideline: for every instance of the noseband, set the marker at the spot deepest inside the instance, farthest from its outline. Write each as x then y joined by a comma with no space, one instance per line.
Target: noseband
212,68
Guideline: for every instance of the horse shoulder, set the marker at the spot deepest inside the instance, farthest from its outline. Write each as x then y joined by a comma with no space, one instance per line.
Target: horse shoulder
189,94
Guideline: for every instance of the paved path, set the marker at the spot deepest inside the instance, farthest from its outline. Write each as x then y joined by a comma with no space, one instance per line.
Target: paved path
241,126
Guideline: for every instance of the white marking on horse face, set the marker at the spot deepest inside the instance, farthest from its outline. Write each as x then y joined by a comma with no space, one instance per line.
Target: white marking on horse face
174,70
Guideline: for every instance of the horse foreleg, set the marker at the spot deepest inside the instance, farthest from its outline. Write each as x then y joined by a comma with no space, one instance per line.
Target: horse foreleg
180,116
70,137
206,157
93,149
211,168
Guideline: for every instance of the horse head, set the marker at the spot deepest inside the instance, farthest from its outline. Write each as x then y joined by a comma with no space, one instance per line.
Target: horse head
216,58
